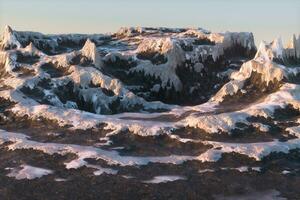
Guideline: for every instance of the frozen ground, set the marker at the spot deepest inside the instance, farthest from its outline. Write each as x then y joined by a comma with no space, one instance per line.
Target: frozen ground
151,113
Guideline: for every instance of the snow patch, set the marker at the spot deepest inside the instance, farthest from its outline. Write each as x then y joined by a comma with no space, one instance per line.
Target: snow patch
28,172
164,179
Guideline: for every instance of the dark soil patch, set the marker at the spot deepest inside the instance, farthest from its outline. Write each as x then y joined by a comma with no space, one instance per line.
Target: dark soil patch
54,133
32,157
83,185
161,145
247,134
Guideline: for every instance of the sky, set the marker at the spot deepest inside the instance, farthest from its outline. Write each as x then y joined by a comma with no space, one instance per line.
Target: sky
267,19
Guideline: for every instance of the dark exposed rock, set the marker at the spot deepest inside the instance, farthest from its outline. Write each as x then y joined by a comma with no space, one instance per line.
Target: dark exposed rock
254,89
81,60
68,43
203,41
24,71
53,70
203,84
121,64
161,145
27,59
155,57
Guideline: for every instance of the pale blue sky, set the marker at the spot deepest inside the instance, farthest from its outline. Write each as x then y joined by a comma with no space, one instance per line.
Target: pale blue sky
267,19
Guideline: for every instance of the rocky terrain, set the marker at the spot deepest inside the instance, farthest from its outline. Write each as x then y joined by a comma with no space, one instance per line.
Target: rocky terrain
149,113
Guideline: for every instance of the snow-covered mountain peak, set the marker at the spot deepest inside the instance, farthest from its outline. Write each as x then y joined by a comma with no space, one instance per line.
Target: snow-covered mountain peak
7,30
268,51
8,39
275,51
89,50
31,49
129,31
